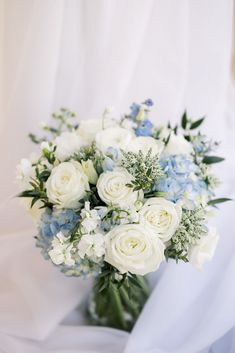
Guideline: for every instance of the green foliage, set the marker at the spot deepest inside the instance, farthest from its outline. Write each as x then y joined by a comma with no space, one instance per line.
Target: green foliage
214,202
196,124
190,229
212,159
38,191
145,169
184,120
187,123
63,123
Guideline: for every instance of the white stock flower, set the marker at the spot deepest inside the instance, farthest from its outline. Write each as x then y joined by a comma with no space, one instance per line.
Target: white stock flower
67,144
178,145
25,172
92,246
66,185
144,143
204,249
113,190
134,248
162,216
88,129
61,251
116,137
89,170
90,218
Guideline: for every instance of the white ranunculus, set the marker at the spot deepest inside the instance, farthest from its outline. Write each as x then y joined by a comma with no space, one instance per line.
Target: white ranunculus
67,185
134,248
88,129
35,212
89,170
67,144
25,172
116,137
178,145
162,216
204,249
92,246
113,190
144,143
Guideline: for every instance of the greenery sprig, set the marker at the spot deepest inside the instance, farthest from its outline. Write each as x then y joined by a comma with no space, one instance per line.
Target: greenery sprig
145,169
63,123
191,228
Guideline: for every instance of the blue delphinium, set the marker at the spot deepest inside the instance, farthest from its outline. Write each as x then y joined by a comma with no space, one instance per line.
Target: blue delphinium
148,102
181,182
134,110
144,128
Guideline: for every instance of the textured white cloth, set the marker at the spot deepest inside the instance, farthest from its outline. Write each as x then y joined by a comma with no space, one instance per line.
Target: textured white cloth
85,55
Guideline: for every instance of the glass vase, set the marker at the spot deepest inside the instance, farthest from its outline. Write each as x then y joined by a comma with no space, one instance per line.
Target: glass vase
118,303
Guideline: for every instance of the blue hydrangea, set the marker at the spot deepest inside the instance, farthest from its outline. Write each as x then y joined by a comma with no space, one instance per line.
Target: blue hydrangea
53,222
62,220
181,182
145,128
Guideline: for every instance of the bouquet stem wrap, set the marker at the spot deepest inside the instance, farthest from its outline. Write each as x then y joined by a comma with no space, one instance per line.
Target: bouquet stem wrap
119,304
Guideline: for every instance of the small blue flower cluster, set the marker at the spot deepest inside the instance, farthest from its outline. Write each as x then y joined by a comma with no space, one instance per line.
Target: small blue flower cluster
182,181
145,126
53,222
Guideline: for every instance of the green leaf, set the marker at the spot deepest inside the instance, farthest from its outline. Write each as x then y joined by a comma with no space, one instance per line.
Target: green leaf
184,120
168,139
220,200
44,175
196,123
212,159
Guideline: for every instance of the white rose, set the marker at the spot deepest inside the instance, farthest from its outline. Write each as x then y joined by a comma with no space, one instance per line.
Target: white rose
67,144
178,145
66,185
204,249
116,137
90,171
144,143
133,248
88,129
92,246
162,216
112,188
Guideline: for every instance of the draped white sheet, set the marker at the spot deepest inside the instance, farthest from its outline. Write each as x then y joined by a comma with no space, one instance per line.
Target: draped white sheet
87,54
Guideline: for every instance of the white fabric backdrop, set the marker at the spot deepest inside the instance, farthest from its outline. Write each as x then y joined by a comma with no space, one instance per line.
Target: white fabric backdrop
87,54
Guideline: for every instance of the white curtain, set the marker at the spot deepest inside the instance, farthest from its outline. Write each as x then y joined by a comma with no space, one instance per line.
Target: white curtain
85,55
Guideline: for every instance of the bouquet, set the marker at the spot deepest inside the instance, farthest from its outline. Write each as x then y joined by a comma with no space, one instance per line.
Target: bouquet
115,198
